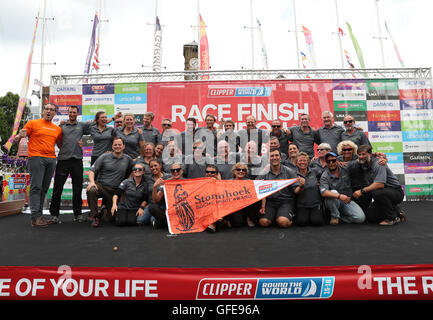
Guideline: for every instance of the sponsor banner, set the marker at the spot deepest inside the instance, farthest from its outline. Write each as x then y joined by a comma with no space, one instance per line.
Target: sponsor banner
66,194
417,146
383,282
360,116
384,115
64,110
416,104
391,136
66,100
387,147
87,151
349,106
397,168
409,84
98,89
418,168
416,114
394,158
349,85
415,94
417,157
128,88
93,109
417,125
68,89
382,90
349,95
384,126
426,179
379,105
230,91
417,135
94,99
422,191
130,98
131,108
15,186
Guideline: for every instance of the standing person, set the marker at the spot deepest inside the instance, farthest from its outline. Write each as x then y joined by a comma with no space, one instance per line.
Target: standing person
252,133
70,162
43,135
150,133
383,186
170,155
335,187
130,135
281,135
105,175
133,195
308,198
303,135
279,207
187,137
168,133
330,132
357,136
209,135
229,135
102,136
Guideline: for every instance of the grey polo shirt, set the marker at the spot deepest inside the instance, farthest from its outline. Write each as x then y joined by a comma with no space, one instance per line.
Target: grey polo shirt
331,136
304,140
377,173
133,195
225,167
102,141
358,137
131,140
151,135
150,181
342,183
286,194
195,168
110,170
310,196
72,133
258,135
315,164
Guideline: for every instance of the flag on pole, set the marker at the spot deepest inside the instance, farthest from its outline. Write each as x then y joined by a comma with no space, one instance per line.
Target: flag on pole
157,52
204,49
356,46
304,61
262,42
95,63
395,46
309,41
24,90
193,204
92,45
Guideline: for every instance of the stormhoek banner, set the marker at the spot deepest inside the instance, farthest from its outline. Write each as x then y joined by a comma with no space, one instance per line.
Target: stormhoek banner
376,282
396,114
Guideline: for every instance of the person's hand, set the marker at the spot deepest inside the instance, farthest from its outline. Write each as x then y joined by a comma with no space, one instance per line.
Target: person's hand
91,185
301,181
262,210
140,212
344,198
113,209
23,133
288,132
80,143
357,194
158,182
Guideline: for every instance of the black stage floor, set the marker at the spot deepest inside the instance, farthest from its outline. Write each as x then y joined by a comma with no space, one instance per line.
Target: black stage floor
78,244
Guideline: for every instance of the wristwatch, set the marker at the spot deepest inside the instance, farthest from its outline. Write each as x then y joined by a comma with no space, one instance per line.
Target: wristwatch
363,191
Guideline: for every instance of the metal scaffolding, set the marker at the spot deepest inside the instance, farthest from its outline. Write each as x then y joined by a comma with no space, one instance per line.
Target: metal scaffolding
293,74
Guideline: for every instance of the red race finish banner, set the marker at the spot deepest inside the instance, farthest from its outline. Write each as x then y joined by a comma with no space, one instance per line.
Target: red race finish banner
383,282
266,100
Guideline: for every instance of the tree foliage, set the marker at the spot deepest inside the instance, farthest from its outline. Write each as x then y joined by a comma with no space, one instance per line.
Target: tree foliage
8,109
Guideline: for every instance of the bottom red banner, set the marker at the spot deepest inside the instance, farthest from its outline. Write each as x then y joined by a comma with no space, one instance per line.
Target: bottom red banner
383,282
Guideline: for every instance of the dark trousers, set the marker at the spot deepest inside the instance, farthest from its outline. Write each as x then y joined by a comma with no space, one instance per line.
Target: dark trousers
385,205
106,193
126,217
310,216
238,219
158,213
73,167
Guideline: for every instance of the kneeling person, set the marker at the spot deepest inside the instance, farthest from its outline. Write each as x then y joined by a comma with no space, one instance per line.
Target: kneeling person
335,187
278,207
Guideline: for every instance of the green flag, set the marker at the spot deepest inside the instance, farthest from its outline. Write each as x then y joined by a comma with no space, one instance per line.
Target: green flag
356,46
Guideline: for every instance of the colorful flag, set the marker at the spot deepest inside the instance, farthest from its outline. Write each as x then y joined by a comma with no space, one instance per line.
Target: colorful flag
157,52
262,42
204,49
309,41
304,61
395,46
24,90
356,46
193,204
92,45
95,63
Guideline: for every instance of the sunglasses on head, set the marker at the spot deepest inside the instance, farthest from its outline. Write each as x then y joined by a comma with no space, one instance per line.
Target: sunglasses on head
331,161
211,171
241,169
347,149
348,121
176,170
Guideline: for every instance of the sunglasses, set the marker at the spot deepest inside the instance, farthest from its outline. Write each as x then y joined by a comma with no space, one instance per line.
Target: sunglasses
347,149
348,121
118,121
211,172
166,125
137,169
276,126
241,170
322,149
331,161
176,170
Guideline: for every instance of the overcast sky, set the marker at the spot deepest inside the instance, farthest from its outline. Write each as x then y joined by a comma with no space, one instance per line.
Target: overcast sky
127,37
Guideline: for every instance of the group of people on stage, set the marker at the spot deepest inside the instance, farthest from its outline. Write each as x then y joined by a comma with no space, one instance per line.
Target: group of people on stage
129,166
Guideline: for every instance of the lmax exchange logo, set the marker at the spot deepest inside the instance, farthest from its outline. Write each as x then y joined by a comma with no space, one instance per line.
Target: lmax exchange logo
266,288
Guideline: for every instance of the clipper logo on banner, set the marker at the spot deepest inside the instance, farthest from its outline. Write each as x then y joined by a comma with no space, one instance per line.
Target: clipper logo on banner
266,288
